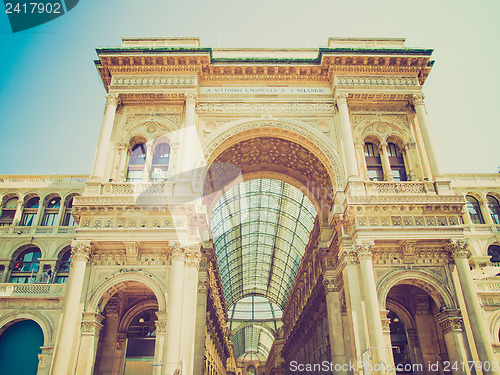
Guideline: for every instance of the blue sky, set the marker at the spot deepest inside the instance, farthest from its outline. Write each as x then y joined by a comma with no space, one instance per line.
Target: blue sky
51,98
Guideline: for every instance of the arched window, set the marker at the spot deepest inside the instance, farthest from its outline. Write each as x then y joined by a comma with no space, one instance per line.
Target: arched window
26,266
161,157
494,208
373,162
68,219
494,252
51,212
397,162
474,210
63,266
29,212
8,212
136,162
251,370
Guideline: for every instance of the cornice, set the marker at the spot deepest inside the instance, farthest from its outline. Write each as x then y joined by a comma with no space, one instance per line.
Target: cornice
329,62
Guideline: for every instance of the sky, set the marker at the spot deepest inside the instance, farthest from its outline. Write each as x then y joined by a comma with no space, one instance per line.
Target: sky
52,100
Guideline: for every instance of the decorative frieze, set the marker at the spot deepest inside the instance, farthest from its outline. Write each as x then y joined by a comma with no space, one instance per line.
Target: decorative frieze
375,81
407,221
147,80
290,107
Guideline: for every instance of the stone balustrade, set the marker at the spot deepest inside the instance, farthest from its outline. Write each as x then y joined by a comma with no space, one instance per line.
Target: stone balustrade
402,187
32,290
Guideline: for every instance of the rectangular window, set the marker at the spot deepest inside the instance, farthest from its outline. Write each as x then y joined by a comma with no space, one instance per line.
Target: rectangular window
69,220
7,217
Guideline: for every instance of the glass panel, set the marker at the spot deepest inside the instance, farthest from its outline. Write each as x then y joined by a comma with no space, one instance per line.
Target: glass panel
49,220
474,210
494,207
32,203
27,219
54,203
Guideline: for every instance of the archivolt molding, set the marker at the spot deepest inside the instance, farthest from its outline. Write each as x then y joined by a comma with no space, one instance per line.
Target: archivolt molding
149,126
298,132
495,327
381,126
100,296
421,279
40,318
133,311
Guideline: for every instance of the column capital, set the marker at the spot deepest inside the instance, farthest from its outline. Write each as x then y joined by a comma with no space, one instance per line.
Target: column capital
450,321
193,258
364,249
177,251
81,250
417,99
458,248
348,256
161,326
410,145
191,97
91,325
112,99
330,284
341,97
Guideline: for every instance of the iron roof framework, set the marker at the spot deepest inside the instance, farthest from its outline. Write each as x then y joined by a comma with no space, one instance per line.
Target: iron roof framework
261,228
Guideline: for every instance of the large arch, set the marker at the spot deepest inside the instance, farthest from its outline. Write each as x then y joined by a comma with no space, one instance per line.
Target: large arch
38,317
271,147
427,282
103,292
292,131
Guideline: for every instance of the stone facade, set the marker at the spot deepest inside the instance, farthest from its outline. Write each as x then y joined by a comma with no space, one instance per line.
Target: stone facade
396,242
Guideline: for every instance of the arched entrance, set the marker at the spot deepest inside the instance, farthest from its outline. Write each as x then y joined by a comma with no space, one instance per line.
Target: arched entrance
128,338
19,348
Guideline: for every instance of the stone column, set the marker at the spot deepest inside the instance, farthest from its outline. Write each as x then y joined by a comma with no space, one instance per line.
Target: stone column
360,153
415,349
450,322
189,137
413,162
123,152
119,353
482,339
418,104
5,271
335,324
485,210
386,331
201,316
109,336
38,218
19,212
189,310
146,172
60,214
174,310
90,328
161,330
378,345
80,253
346,133
352,290
386,164
410,173
44,360
100,160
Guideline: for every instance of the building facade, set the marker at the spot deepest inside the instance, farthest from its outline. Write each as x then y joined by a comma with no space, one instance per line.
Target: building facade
254,211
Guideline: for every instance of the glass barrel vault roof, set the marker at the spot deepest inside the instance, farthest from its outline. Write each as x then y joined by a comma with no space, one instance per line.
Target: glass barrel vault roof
260,229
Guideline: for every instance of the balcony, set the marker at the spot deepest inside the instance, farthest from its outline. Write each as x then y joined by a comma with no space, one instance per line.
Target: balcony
32,290
399,187
36,231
